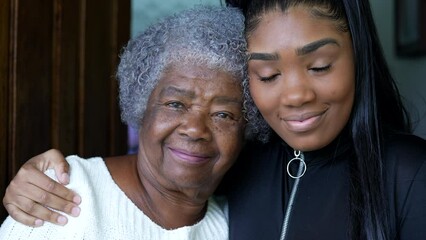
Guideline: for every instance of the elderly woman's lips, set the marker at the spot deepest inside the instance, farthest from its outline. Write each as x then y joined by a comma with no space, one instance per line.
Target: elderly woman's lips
189,157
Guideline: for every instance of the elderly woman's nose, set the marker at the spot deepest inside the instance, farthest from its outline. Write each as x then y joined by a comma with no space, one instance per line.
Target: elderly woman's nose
196,126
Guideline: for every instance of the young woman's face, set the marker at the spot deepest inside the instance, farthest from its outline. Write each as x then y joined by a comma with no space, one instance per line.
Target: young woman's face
192,130
302,77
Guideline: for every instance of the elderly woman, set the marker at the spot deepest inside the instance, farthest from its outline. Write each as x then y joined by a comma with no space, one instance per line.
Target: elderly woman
180,84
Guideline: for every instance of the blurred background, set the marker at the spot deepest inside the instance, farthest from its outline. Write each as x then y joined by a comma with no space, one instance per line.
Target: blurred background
58,61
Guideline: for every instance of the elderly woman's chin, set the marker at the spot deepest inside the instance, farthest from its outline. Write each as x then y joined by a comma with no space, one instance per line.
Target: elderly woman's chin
205,173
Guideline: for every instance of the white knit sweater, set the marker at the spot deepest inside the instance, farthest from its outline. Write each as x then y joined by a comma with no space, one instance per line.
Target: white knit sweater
107,213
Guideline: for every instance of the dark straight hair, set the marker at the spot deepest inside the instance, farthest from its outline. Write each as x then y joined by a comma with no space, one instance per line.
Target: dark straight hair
377,110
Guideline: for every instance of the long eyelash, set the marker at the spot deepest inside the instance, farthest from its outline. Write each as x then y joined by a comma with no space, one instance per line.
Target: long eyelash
322,69
268,79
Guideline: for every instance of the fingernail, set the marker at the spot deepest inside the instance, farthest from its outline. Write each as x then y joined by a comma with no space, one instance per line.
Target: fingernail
76,199
65,178
62,220
38,223
75,211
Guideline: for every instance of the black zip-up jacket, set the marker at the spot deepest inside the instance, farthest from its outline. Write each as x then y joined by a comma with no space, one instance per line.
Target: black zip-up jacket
258,188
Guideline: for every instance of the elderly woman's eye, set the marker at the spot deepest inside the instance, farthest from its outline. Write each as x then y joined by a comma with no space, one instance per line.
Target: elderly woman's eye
175,104
224,115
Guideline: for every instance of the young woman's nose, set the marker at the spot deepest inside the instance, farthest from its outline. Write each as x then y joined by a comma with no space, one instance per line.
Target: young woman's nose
195,126
296,90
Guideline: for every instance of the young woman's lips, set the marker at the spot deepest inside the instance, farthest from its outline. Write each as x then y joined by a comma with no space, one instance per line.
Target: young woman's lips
303,123
189,157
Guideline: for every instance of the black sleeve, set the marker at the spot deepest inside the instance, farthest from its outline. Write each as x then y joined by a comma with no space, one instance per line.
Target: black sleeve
406,159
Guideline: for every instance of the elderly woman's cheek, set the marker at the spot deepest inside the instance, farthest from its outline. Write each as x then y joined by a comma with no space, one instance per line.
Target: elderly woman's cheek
231,138
159,121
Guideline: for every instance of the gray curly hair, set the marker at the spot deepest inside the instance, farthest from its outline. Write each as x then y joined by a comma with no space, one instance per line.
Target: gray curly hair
203,35
257,127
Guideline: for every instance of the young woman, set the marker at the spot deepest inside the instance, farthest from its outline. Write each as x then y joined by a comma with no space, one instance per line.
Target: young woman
320,82
334,158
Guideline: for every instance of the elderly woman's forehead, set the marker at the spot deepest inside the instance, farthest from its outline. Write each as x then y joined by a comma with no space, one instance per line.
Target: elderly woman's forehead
197,70
196,66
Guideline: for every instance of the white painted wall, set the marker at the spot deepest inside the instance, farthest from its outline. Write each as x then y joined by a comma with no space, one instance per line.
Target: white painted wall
410,73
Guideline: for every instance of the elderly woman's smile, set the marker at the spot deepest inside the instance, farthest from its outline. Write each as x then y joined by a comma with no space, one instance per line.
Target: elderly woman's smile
196,157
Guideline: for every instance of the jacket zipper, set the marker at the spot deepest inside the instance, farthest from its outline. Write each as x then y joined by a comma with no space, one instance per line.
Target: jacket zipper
300,172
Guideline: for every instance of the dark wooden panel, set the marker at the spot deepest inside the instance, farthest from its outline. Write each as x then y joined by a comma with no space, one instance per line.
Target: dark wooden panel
121,13
57,87
100,85
103,30
4,68
65,74
33,78
97,77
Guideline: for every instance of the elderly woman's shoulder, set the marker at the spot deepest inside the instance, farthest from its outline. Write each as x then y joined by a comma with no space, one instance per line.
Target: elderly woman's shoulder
77,162
84,172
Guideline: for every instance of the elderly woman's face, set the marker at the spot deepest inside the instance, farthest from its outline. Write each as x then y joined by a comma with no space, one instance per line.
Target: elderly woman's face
192,130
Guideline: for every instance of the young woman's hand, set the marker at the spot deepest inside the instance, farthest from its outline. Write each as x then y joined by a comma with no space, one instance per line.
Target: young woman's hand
31,192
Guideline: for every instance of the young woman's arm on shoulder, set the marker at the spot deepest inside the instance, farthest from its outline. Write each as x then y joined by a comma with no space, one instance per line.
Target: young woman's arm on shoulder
31,192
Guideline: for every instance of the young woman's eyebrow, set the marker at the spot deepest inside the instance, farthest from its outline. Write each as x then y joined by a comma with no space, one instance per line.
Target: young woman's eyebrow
313,46
263,56
308,48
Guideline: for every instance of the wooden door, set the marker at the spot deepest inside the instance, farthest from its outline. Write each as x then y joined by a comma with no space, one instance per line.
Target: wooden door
57,87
